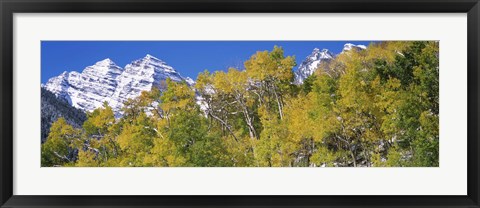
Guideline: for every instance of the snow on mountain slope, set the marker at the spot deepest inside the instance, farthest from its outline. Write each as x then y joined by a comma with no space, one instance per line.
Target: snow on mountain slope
310,64
350,46
141,75
105,81
86,90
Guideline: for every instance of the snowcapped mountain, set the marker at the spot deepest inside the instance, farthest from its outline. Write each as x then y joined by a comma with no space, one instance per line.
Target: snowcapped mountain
105,81
350,46
310,64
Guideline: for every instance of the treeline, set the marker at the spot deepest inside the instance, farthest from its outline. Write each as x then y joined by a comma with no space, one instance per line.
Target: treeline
375,107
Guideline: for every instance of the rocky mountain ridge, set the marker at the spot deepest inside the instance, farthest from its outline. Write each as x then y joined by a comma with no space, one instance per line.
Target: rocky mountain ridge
105,81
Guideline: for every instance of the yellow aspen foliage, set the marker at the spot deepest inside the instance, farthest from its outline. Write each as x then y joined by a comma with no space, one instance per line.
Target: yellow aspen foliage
375,107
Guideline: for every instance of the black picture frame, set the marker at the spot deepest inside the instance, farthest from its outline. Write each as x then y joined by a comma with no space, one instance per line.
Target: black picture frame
9,7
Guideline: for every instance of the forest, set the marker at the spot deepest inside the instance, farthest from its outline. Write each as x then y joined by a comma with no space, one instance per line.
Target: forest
377,107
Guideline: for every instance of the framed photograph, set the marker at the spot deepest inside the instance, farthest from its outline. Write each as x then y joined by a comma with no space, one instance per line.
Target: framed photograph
212,103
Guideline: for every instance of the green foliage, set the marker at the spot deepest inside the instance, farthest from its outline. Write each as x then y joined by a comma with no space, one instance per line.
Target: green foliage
58,149
308,83
377,107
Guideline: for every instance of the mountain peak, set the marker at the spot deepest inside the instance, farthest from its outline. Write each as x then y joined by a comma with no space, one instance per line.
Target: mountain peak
108,82
310,64
350,46
150,57
150,60
105,67
318,50
105,62
318,54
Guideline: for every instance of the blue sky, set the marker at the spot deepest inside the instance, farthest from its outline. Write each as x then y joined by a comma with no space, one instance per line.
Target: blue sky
187,57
